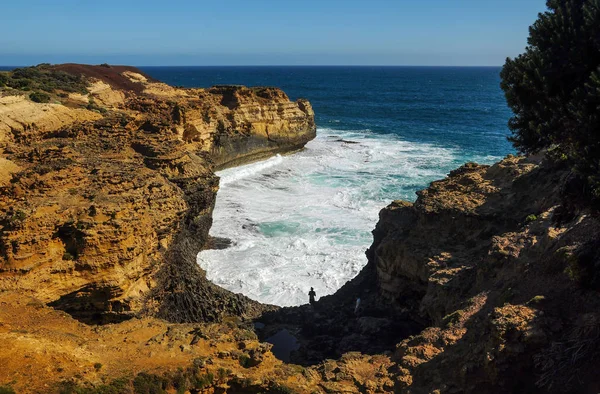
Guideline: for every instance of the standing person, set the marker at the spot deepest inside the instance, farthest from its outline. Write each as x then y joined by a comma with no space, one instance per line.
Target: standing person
311,296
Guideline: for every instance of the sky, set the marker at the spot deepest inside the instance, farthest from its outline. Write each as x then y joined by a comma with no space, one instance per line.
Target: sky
266,32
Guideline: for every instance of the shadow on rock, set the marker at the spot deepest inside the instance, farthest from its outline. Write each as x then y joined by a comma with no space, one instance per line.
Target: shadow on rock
309,334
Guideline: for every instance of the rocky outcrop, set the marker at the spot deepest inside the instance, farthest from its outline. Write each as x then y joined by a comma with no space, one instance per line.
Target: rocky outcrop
487,283
263,127
106,198
503,270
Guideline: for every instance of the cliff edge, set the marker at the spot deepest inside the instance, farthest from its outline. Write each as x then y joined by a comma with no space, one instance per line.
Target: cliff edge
108,186
487,283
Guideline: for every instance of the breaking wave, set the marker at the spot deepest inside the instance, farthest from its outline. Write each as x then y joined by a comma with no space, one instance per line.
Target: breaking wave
305,220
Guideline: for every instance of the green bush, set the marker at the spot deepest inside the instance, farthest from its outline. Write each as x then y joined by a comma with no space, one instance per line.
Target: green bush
278,388
149,384
531,218
554,87
223,373
203,381
44,77
39,97
6,390
244,360
92,106
68,256
118,386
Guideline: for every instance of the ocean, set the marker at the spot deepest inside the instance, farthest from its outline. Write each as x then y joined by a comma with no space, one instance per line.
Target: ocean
305,220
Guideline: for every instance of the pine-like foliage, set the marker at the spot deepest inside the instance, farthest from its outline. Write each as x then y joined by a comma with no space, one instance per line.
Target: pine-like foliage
554,87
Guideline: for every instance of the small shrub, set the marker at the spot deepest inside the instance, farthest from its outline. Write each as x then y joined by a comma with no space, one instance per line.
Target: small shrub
451,319
244,360
98,366
20,83
223,373
39,97
6,390
245,335
531,218
19,216
92,106
281,389
536,300
68,256
117,386
203,381
46,78
148,384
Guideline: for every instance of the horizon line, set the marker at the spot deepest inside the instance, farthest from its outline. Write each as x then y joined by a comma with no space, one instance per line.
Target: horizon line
267,65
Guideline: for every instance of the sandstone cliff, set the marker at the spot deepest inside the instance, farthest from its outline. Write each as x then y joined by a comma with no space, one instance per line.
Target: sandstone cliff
487,283
106,197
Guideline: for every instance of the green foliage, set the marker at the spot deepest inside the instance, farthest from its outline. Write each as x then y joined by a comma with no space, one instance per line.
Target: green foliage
43,77
16,218
203,381
554,87
39,97
19,215
531,218
149,384
6,390
536,300
68,256
143,383
451,319
244,360
281,389
3,78
92,106
117,386
223,373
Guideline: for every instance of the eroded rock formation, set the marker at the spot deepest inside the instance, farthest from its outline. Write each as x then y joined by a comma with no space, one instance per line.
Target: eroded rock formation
488,283
108,196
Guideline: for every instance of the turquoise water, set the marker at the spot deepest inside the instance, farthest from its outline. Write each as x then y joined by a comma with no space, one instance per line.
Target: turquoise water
383,133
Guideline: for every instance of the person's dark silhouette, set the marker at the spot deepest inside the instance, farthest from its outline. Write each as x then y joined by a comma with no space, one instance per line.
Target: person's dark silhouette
311,296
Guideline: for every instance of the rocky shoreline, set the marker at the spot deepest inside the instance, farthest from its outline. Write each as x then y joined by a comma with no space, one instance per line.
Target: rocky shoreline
487,283
109,212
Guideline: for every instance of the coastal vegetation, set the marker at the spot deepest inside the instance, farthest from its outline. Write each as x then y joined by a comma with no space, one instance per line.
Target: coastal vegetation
43,77
553,89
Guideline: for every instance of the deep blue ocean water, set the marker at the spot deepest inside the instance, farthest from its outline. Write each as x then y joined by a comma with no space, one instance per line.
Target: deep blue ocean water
458,107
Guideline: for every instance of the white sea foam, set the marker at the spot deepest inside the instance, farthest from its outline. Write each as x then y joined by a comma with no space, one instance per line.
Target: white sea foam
305,220
249,170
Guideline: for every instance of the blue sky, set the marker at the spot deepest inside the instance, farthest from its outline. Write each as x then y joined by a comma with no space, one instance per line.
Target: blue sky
266,32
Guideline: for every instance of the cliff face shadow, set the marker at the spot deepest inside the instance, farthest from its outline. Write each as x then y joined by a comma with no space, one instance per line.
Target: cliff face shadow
92,305
309,334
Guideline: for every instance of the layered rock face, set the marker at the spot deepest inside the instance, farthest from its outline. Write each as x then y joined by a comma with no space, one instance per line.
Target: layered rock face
502,266
106,199
488,283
